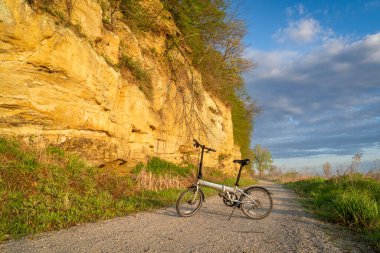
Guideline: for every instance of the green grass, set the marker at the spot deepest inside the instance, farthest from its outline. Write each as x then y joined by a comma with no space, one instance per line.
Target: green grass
42,190
48,189
158,166
352,200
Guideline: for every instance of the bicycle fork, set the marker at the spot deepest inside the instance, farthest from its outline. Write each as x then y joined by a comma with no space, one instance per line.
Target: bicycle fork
195,195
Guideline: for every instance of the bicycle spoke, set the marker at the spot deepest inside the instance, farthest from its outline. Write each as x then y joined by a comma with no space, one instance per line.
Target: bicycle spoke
189,202
256,203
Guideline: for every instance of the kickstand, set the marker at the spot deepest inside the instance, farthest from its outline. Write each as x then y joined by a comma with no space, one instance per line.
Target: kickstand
232,212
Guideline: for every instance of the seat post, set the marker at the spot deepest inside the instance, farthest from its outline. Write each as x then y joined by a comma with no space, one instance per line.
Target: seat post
238,177
199,176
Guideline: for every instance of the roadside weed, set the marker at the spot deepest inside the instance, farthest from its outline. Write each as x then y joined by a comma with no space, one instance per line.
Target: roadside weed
352,200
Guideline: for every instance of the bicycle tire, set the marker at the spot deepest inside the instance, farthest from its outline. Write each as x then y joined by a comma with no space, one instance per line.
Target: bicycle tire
189,202
262,205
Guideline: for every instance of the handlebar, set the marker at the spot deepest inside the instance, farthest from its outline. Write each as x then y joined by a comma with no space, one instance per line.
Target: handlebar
197,145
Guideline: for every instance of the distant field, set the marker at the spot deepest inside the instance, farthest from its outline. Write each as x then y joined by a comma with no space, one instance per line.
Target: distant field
352,200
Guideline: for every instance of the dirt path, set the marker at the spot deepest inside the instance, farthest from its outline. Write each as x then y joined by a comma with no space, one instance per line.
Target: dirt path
287,229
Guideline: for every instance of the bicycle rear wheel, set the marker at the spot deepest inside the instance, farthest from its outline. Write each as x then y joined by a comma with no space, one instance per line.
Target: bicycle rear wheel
257,203
189,202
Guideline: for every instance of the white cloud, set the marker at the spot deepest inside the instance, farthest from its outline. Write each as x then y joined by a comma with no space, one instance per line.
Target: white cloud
326,98
305,30
340,55
299,9
270,64
333,46
373,41
286,105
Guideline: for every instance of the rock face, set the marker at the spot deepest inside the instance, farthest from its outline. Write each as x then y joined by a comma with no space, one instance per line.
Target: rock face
60,86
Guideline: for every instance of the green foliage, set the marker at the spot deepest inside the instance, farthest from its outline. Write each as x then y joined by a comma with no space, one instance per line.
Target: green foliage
42,190
357,207
158,166
215,41
215,38
135,67
27,162
138,168
141,75
53,150
350,200
138,18
242,120
199,20
50,189
261,159
108,60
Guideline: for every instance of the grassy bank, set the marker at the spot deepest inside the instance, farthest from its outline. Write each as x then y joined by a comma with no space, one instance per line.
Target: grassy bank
353,201
47,189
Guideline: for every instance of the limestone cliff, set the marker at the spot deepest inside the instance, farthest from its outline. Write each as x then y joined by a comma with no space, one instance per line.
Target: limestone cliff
59,84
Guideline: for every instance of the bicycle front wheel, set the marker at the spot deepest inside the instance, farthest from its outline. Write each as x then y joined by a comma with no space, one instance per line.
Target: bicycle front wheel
256,203
189,202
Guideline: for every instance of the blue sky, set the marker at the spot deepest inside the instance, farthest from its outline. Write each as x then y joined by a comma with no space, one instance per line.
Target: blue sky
317,78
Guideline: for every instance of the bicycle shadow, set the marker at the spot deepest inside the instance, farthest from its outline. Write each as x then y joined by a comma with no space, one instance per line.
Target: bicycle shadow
204,210
224,214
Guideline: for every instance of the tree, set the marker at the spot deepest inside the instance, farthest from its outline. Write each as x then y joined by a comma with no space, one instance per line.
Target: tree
327,169
214,35
211,42
356,159
274,171
261,159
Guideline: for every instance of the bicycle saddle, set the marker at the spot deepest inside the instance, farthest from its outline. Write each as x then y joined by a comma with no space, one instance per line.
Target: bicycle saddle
242,162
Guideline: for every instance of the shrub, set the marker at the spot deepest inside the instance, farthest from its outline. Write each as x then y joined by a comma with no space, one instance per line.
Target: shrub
352,200
158,166
46,189
356,207
141,75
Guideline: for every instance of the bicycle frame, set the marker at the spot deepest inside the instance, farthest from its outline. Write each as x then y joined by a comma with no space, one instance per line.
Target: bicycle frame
210,184
218,187
224,189
245,199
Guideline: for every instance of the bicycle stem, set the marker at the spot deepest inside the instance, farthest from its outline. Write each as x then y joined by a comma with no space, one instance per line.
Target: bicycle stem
199,176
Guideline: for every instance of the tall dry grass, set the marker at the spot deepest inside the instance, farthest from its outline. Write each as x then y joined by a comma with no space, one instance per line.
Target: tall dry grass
146,180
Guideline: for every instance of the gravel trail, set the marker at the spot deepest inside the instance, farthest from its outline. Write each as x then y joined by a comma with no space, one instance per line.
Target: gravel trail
287,229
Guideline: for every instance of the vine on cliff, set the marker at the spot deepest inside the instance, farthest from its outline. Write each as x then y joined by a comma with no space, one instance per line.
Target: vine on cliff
214,36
